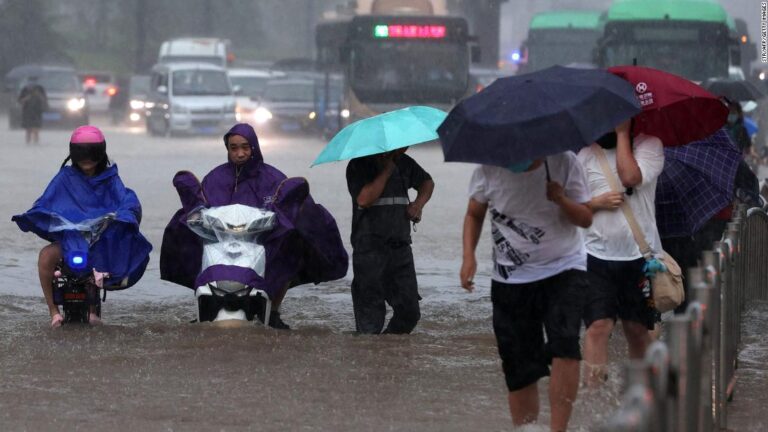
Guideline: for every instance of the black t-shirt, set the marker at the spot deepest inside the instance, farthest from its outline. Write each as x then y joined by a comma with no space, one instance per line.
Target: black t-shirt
387,223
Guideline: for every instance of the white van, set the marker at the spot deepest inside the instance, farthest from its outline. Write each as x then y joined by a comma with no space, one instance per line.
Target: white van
189,98
197,50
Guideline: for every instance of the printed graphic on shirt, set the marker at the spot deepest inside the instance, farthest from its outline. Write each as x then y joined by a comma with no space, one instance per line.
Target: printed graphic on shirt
533,234
506,250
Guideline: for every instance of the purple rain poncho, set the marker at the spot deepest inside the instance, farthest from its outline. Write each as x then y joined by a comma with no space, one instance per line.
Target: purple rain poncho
304,247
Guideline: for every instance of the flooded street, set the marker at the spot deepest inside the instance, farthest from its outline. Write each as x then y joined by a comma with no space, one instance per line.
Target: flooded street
149,368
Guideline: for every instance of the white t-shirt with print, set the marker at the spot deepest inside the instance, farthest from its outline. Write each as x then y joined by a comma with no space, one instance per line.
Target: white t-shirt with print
532,238
609,237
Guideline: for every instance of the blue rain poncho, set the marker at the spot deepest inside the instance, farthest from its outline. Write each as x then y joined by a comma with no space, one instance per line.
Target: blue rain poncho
71,201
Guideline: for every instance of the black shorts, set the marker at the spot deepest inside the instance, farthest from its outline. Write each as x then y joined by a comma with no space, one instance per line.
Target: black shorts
616,290
520,311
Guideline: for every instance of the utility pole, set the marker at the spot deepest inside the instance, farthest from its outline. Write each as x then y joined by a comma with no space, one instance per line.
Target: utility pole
140,17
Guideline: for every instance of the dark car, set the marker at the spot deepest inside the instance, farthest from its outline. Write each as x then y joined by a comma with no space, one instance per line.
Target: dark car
287,105
138,98
66,100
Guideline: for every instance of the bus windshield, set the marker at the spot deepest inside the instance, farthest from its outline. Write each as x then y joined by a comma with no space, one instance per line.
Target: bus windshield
421,71
560,47
692,60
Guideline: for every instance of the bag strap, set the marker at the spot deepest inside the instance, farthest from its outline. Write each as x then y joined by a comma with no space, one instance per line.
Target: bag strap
629,215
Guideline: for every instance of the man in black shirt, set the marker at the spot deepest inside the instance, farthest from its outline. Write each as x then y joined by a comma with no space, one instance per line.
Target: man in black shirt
381,239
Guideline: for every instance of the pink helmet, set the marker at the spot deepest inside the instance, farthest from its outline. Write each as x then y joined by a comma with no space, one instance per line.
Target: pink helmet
87,135
87,143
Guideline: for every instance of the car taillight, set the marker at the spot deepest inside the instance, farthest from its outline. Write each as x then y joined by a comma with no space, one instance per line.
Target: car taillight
111,91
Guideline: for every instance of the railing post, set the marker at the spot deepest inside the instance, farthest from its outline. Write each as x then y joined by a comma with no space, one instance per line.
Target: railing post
711,262
657,360
723,258
702,294
679,329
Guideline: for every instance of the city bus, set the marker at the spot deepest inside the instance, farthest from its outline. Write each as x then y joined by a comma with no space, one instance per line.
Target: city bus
392,61
560,38
692,38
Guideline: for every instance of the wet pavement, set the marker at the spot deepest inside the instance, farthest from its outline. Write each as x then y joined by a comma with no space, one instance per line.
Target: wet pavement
148,368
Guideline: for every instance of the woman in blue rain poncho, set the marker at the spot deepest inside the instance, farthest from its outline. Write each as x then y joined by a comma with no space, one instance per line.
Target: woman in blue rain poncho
89,189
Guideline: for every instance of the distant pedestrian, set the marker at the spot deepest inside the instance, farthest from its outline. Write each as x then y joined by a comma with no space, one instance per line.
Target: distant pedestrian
539,277
33,102
382,259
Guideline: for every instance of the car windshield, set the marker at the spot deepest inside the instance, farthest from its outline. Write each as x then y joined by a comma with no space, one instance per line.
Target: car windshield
214,60
289,92
139,85
58,81
198,82
250,85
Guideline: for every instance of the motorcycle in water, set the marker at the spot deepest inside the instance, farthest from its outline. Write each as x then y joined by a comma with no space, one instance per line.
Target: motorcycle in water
76,284
231,242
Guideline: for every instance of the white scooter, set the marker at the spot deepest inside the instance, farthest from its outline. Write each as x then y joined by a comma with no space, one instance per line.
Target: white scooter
231,236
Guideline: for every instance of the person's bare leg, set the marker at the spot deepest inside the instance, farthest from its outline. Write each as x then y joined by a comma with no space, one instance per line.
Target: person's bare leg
524,405
563,387
28,135
46,266
35,135
596,351
638,338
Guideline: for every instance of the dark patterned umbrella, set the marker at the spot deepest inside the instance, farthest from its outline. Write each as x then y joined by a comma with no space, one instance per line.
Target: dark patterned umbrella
696,183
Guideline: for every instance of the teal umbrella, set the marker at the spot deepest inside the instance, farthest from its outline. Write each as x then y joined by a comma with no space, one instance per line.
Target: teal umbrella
382,133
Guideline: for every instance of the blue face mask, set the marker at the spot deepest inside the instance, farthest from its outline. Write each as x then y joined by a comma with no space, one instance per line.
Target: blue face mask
520,166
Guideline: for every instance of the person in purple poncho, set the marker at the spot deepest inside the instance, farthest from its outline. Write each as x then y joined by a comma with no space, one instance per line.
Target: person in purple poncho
304,247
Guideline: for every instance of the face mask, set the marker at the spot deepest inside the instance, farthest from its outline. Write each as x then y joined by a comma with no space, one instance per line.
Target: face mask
732,118
520,166
607,141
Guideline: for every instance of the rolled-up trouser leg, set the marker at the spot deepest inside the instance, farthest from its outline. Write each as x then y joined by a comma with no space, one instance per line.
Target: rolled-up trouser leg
402,291
368,291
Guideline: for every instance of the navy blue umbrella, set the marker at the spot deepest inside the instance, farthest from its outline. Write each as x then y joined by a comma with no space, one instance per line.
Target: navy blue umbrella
536,115
697,182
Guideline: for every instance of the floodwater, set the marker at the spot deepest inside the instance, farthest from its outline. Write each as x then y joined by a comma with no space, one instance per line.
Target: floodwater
149,368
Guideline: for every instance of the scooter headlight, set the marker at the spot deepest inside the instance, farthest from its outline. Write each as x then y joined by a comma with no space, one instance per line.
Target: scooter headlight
77,260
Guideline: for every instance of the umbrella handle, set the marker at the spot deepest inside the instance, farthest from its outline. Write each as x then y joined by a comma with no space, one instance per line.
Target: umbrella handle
546,167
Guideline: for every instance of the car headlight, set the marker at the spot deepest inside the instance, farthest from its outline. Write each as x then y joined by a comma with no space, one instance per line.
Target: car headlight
149,105
137,104
262,115
179,109
134,117
76,104
312,115
345,113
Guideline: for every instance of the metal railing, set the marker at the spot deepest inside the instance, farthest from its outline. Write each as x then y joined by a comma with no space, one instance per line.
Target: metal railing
684,384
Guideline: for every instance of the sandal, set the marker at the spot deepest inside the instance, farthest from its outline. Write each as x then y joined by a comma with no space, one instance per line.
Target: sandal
57,320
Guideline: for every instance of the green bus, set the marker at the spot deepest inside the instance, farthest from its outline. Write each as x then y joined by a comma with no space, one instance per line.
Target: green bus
562,37
391,61
692,38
